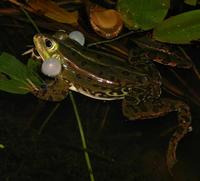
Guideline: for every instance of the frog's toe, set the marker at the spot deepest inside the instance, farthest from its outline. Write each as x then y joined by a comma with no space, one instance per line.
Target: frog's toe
171,160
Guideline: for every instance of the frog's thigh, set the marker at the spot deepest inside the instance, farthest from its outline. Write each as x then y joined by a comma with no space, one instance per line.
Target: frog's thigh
57,91
146,110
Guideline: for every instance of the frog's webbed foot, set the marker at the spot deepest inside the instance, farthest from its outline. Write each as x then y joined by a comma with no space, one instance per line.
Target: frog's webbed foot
56,90
160,107
184,126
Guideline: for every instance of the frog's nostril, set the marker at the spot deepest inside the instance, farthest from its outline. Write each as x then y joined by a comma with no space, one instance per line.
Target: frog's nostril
36,37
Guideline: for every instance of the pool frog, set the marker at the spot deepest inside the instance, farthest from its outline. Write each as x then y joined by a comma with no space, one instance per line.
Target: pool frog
107,77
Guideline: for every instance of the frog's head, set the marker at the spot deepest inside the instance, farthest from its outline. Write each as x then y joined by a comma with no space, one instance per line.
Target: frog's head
46,46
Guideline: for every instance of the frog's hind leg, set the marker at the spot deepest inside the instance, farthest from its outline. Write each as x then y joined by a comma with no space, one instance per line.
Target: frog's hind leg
157,108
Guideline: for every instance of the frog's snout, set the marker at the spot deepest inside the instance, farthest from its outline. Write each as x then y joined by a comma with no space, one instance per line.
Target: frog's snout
40,47
37,37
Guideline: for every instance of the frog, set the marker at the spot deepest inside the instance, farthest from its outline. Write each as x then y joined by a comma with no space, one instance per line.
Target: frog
107,77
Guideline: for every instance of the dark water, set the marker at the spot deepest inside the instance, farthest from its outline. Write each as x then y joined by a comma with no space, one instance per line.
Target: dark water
120,150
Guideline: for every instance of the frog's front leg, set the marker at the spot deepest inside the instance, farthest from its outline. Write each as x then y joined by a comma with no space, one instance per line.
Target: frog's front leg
157,108
56,90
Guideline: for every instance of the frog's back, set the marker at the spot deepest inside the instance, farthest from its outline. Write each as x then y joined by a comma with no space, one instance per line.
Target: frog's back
102,73
103,64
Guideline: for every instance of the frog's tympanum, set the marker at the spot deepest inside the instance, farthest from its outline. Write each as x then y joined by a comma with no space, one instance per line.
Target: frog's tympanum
104,77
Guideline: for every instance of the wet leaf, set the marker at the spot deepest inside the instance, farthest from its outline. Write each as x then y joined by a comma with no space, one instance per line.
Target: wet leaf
51,10
181,29
143,14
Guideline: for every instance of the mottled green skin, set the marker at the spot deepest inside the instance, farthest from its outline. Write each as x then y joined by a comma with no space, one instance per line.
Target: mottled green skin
107,77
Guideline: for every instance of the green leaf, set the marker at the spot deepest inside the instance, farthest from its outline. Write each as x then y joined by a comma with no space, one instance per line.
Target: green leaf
12,67
33,69
33,65
14,86
180,29
17,77
143,14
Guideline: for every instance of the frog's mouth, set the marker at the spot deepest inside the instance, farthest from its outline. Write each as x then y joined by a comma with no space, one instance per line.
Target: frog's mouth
33,50
34,53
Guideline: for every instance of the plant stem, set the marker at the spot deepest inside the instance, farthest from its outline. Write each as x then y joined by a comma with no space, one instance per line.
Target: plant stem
83,140
30,19
48,118
109,41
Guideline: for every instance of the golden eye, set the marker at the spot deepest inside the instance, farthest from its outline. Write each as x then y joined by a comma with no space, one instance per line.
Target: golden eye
48,43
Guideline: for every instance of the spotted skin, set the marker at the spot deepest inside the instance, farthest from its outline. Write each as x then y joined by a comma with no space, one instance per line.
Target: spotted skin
106,77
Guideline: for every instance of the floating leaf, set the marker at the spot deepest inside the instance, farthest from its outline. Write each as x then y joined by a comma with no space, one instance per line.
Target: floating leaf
143,14
180,29
51,10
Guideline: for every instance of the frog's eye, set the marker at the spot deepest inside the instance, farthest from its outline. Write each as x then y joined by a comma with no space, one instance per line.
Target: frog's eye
48,43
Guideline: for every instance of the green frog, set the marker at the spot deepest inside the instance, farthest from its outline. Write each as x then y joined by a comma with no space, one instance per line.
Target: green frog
107,77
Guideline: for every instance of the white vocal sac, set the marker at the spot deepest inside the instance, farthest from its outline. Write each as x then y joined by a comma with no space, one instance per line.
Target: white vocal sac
77,36
51,67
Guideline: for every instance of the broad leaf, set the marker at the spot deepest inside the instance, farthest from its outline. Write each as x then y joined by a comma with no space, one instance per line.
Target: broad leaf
33,69
14,86
12,67
16,77
180,29
143,14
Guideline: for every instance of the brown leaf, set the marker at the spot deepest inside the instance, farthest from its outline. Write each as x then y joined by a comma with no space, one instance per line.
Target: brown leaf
9,11
51,10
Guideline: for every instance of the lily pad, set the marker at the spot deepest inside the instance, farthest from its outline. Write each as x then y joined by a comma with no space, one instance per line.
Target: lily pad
179,29
142,14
